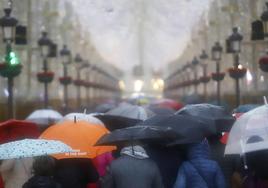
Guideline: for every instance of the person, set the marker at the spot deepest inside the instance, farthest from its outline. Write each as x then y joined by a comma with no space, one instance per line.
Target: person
168,160
133,169
257,163
199,171
15,172
43,170
75,172
228,164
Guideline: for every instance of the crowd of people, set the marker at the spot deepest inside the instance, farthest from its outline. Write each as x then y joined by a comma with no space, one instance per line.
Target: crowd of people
196,161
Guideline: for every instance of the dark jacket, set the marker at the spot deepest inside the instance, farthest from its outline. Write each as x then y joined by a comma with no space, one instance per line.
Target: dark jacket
168,160
199,171
130,172
41,182
75,173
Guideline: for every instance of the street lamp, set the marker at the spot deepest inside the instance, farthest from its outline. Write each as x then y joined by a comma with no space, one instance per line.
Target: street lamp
45,76
195,62
205,78
65,80
11,67
216,53
264,18
236,72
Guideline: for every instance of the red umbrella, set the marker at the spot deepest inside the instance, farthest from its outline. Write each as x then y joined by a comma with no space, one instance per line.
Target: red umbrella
168,103
12,130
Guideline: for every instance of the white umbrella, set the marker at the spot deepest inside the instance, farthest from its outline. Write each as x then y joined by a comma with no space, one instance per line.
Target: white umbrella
249,133
32,148
44,117
82,116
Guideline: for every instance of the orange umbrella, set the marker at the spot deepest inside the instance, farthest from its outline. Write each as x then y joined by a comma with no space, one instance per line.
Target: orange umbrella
81,136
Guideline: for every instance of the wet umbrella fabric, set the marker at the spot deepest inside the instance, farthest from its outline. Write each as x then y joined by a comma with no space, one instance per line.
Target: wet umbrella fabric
32,148
137,133
161,111
12,130
80,135
192,130
82,117
249,132
126,115
44,117
215,117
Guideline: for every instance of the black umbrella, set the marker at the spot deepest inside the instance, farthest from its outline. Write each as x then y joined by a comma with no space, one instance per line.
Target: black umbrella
215,117
191,129
113,122
138,133
161,111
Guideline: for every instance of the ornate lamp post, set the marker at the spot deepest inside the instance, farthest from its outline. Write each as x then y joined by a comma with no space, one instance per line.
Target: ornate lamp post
217,76
237,71
205,78
78,82
65,80
195,63
11,67
45,76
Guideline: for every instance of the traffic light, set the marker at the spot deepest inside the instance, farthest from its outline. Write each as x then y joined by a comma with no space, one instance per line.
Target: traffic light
12,59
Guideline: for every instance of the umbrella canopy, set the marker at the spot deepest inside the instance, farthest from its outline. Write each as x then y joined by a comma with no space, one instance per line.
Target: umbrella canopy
137,133
32,148
44,117
131,111
82,117
12,130
215,117
245,108
161,111
167,103
249,132
125,115
103,108
80,135
191,129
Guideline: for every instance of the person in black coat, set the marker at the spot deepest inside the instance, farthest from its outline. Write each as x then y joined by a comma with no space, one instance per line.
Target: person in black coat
75,173
43,168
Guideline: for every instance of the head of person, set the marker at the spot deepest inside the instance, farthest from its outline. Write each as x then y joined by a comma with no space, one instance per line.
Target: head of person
43,166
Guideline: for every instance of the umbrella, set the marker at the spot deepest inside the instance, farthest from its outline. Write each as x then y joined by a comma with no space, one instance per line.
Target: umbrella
190,128
44,117
245,108
161,111
167,103
80,135
137,133
131,111
215,117
82,117
125,115
32,148
103,108
249,132
17,129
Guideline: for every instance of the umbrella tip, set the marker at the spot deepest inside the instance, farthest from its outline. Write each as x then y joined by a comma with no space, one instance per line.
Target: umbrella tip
74,119
85,111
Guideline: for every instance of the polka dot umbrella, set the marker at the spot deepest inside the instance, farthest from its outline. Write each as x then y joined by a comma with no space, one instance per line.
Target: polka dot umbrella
32,148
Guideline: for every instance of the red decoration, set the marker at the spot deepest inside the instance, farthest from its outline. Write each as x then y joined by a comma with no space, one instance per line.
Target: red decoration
65,80
78,82
263,63
204,79
45,77
237,73
217,76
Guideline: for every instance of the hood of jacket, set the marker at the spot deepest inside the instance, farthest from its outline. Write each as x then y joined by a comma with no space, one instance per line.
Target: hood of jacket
135,151
198,151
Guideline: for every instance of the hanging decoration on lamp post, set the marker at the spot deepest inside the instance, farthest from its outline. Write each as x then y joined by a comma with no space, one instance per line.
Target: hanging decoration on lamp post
236,72
65,80
217,76
11,66
45,76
